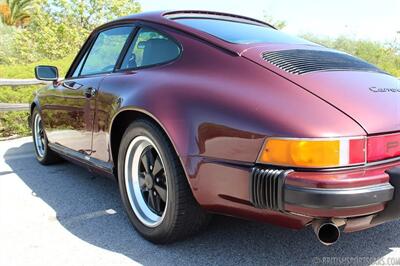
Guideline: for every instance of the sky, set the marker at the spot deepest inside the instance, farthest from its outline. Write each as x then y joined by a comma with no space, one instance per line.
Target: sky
377,20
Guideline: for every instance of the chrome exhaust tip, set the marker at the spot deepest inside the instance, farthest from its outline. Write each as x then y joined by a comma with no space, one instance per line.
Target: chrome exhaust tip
327,232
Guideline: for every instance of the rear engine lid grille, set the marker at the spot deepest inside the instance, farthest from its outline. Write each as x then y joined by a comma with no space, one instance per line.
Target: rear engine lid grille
302,61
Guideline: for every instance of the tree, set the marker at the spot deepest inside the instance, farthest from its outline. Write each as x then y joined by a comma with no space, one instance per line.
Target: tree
58,28
15,12
89,14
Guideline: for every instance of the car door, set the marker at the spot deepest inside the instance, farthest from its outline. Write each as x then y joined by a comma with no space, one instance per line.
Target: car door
70,117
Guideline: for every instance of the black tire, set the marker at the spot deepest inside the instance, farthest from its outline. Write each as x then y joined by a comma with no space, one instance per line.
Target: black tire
183,216
47,156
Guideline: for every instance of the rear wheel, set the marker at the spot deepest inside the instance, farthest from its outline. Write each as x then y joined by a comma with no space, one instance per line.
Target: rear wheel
43,153
153,186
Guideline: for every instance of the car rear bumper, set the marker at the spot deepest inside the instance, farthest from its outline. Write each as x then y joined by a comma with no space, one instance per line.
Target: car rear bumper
338,198
268,189
296,198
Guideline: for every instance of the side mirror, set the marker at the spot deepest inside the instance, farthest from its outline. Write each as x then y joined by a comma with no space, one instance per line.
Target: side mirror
47,73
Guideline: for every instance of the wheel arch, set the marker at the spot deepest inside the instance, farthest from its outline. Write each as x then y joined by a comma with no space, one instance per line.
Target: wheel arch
120,123
34,104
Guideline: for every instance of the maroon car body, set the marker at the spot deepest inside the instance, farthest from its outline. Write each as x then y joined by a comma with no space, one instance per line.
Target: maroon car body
218,103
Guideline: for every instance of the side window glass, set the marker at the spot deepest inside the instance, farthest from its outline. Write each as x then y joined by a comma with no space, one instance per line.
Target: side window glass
79,67
105,51
150,48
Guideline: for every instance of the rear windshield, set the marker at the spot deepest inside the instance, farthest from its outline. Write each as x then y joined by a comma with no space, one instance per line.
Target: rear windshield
240,32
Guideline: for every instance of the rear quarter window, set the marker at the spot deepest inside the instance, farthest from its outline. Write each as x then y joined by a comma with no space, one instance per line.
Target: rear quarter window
150,48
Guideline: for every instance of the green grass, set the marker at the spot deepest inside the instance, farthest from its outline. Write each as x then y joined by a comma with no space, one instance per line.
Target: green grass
21,71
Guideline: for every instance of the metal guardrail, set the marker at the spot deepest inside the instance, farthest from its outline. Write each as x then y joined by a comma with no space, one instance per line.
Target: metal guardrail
5,107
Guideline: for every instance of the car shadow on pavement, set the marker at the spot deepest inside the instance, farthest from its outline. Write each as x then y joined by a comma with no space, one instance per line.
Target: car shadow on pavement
81,199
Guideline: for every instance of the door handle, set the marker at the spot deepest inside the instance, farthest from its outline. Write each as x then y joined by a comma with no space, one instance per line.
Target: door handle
72,85
90,92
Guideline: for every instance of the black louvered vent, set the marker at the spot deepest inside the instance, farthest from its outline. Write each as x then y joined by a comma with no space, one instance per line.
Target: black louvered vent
304,61
266,188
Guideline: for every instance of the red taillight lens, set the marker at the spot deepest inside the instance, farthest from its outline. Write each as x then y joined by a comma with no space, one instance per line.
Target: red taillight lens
357,151
383,147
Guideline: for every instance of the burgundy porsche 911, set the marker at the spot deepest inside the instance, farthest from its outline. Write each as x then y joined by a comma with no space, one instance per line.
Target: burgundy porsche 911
199,112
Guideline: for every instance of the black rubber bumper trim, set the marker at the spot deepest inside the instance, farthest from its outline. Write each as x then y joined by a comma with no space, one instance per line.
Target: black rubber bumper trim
338,198
266,188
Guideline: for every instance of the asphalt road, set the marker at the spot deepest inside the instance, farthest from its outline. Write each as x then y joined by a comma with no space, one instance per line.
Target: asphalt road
64,215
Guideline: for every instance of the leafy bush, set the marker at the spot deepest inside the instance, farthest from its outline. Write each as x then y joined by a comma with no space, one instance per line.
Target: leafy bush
26,70
17,95
14,123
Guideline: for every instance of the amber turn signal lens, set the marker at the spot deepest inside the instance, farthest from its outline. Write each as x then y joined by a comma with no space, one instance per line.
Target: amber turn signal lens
312,153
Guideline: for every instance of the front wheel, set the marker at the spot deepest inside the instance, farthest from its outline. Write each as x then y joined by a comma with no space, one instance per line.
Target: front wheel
42,151
153,186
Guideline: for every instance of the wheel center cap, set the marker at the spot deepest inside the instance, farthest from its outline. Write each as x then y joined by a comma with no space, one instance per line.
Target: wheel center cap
148,179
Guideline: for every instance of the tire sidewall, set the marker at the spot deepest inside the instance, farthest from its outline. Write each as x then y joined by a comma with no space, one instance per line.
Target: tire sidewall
46,148
137,129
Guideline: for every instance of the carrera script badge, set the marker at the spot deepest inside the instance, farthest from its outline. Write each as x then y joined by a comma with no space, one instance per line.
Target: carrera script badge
376,89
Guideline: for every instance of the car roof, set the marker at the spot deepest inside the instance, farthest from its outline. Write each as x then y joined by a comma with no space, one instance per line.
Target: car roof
166,18
160,16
